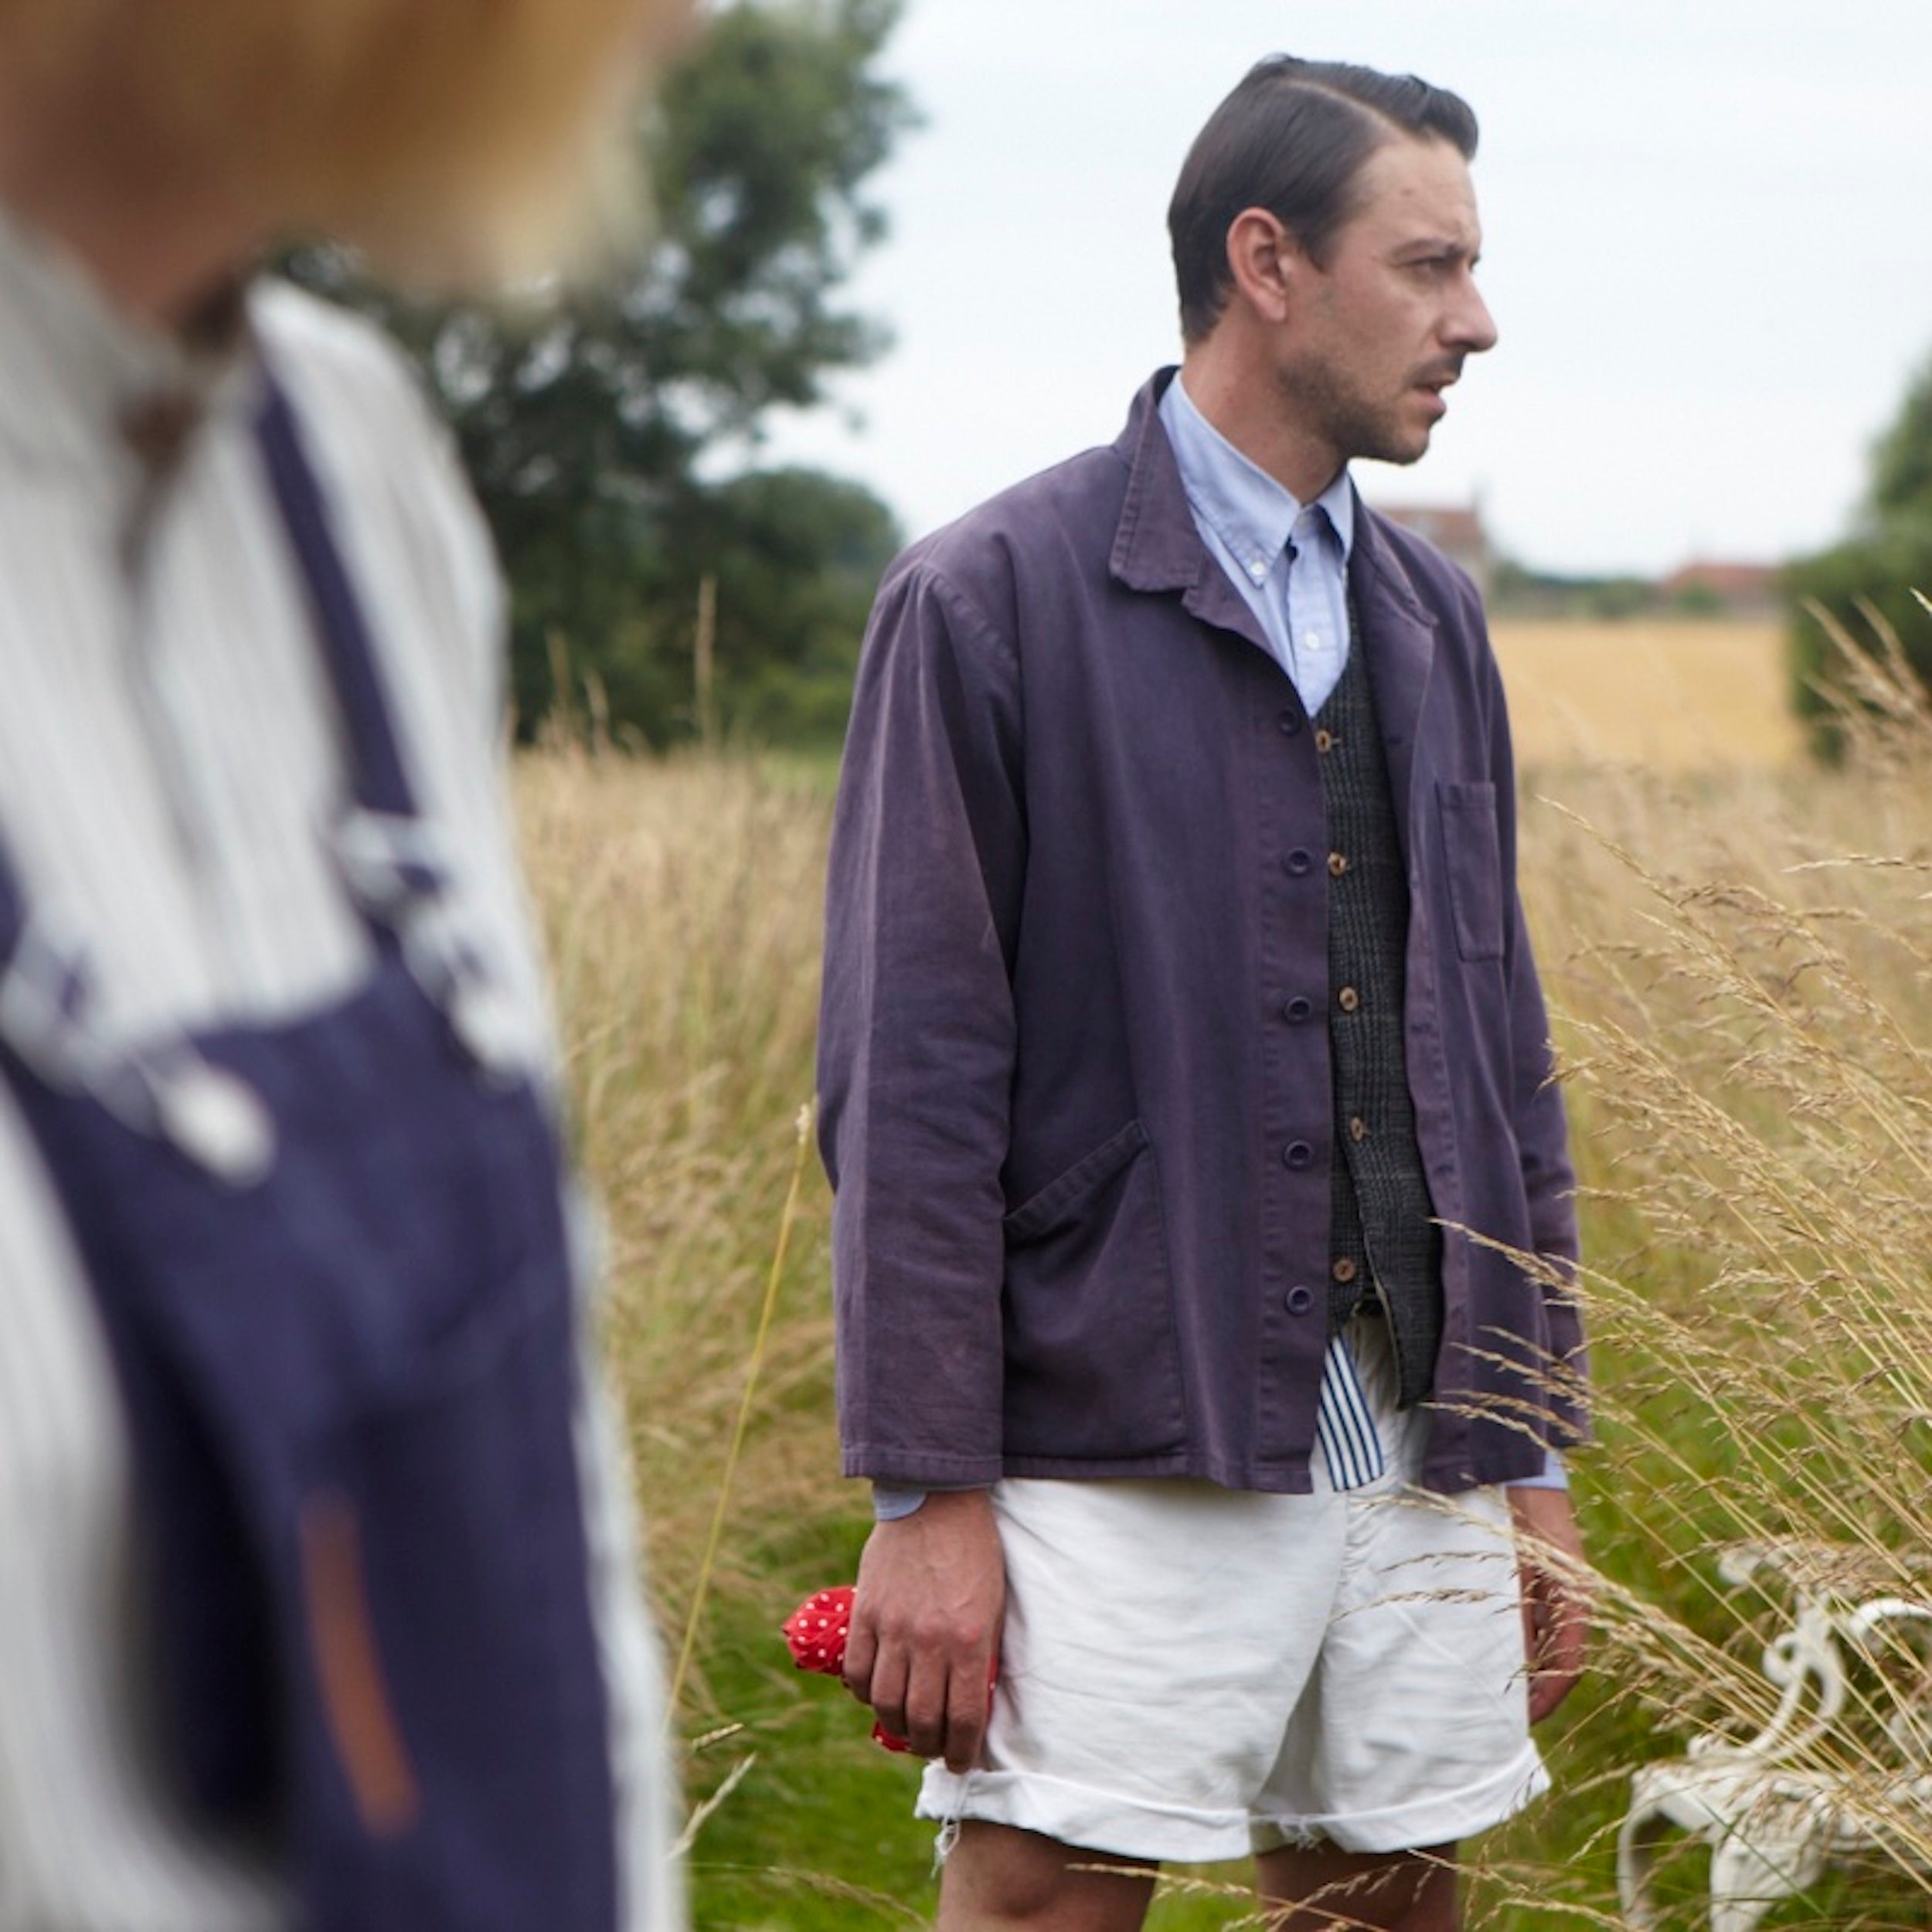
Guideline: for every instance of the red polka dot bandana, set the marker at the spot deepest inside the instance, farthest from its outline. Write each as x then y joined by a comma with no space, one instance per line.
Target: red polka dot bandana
816,1633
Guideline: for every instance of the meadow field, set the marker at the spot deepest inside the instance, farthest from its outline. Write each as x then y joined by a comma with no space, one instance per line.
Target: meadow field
1669,695
1738,953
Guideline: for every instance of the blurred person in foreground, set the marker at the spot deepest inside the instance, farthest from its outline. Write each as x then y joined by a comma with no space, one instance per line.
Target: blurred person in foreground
317,1590
1183,1065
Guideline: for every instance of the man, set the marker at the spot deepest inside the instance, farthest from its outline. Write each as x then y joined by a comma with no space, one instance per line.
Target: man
317,1593
1186,1091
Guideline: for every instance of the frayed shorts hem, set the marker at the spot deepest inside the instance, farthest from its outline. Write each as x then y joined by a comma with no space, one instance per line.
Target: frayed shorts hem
1116,1826
1081,1815
1441,1819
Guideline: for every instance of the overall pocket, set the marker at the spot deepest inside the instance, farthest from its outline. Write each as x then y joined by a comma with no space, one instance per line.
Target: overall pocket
457,1758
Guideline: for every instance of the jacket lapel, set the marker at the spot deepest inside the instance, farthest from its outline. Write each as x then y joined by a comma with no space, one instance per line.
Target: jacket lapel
1399,634
1156,547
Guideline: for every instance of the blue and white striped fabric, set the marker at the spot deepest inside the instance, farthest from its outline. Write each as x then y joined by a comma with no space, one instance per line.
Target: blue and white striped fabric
1345,1426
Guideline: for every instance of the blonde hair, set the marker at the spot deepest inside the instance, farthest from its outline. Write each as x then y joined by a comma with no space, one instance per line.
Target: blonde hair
470,140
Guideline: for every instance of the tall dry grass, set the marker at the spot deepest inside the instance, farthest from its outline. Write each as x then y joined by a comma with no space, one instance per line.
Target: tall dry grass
679,902
1742,972
1741,967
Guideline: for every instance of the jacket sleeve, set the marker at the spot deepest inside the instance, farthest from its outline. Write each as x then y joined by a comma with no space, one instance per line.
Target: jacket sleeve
1542,1130
916,1035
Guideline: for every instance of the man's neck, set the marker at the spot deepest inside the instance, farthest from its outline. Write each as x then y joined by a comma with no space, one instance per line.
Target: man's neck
157,237
1237,395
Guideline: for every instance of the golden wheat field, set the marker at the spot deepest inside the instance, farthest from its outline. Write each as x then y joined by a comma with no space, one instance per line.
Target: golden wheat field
1667,695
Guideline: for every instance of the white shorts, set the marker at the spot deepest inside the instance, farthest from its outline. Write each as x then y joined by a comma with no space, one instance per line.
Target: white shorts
1192,1673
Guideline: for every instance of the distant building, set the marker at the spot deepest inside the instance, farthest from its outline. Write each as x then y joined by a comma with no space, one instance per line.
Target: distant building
1457,532
1706,582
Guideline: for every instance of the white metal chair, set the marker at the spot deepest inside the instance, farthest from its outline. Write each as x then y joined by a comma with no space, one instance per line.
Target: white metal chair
1773,1809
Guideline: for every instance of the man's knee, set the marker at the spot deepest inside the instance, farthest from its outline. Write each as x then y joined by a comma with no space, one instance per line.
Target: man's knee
1392,1891
998,1877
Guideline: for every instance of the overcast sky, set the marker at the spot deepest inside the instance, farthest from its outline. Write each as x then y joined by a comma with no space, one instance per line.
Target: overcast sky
1708,245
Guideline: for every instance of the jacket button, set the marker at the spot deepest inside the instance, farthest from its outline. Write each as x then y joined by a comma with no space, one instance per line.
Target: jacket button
1298,1153
1344,1270
1298,1009
1348,999
1297,862
1358,1128
1338,864
1325,742
1290,722
1300,1300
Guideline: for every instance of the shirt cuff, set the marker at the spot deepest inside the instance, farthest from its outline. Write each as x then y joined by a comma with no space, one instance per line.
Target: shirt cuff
893,1500
1555,1476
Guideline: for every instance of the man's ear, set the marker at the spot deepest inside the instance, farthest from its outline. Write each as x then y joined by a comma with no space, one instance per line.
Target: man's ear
1266,263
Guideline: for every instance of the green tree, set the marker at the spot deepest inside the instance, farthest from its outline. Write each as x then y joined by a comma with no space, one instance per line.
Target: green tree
1886,557
594,438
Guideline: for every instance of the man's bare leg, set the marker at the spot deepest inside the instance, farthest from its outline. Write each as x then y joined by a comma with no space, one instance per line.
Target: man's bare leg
1330,1889
997,1877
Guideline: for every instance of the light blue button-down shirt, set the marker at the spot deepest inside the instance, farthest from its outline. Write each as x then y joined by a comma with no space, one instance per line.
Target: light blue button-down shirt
1247,520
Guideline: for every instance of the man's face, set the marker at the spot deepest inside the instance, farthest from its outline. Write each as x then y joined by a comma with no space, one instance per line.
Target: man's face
1381,331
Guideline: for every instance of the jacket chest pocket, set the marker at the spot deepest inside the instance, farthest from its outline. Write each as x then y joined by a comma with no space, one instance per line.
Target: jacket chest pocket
1472,855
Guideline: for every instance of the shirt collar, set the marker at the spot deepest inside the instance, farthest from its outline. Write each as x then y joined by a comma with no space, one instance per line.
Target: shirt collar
73,368
1247,509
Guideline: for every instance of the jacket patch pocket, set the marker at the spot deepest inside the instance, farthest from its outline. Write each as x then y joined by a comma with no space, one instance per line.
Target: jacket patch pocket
1473,852
1093,1367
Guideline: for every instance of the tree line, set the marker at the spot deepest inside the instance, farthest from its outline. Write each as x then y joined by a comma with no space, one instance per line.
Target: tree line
600,438
1877,570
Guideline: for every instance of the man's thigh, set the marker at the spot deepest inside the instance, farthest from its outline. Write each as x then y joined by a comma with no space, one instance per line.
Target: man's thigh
998,1879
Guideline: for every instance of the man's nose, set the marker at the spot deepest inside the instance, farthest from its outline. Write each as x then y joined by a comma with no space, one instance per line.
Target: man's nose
1470,324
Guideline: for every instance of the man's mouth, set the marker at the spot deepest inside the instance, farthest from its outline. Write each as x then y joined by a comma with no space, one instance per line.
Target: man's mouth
1434,383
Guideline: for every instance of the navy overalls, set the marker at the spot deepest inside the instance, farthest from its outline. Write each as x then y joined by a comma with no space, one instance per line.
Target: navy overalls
330,1260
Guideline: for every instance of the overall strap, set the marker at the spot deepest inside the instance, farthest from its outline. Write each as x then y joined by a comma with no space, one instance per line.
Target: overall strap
379,782
390,853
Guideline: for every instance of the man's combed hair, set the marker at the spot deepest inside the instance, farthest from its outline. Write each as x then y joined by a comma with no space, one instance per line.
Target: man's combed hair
1292,139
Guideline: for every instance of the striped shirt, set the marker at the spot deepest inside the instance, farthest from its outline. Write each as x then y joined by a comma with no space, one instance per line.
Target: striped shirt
169,750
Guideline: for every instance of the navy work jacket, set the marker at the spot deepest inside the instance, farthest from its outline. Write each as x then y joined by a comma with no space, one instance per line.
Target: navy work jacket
1074,1057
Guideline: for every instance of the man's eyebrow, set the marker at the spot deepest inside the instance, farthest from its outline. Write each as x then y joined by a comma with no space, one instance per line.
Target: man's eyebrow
1426,247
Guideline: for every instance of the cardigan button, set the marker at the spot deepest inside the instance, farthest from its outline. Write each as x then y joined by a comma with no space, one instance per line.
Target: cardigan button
1298,1009
1299,1300
1289,721
1298,862
1298,1153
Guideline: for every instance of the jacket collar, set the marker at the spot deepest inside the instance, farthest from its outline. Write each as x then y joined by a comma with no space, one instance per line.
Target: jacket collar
1157,549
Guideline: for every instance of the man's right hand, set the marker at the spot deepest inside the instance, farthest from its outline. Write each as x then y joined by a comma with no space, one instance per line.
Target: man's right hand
926,1623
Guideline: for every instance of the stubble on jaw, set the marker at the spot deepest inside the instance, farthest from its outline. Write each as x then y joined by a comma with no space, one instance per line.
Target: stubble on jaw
1336,416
